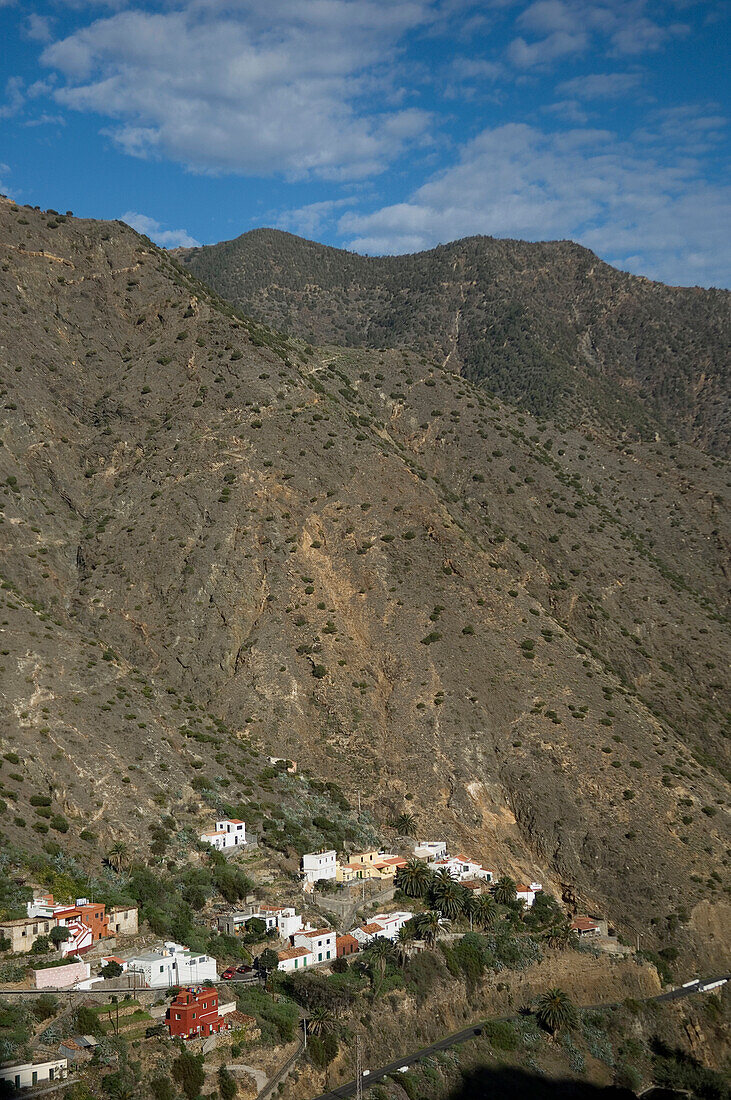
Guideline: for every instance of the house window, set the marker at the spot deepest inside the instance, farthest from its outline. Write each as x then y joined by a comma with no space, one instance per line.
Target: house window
177,1015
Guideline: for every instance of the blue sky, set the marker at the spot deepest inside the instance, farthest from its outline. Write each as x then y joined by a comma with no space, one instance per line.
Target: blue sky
380,125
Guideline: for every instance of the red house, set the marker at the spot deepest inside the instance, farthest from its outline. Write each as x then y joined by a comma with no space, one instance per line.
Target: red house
194,1013
346,945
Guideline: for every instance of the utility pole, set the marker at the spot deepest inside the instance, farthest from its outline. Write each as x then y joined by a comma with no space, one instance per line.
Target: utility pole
358,1070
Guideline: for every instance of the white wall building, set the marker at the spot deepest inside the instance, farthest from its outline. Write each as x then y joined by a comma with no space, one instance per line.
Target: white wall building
430,850
392,923
295,958
173,965
282,918
462,867
34,1073
317,865
228,833
320,941
364,933
528,893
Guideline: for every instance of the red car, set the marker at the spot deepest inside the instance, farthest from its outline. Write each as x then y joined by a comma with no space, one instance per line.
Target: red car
228,974
244,969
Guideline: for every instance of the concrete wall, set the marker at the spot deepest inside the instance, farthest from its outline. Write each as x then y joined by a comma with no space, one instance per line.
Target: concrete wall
61,977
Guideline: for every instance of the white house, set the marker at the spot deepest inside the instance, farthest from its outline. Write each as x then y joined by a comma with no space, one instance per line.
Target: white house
364,933
34,1073
228,833
391,923
430,850
317,865
319,941
462,867
282,918
528,893
295,958
173,965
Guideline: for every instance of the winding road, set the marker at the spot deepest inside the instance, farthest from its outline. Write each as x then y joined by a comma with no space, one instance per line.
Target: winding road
701,985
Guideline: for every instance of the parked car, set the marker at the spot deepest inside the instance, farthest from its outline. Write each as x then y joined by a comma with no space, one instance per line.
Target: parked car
228,974
244,969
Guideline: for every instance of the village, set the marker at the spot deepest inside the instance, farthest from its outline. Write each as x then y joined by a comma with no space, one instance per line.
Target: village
273,938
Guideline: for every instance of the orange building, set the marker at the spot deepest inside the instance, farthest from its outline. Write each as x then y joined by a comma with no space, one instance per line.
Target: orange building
86,921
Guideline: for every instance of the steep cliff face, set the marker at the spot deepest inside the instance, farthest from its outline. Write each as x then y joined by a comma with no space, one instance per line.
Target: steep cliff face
358,560
546,326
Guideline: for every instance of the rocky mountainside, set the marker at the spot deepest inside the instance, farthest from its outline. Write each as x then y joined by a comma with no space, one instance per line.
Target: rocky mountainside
217,541
545,326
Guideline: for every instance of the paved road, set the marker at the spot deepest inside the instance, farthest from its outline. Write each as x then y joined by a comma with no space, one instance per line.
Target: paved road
375,1075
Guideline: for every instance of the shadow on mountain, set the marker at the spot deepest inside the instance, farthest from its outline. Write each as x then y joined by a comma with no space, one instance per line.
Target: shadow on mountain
515,1084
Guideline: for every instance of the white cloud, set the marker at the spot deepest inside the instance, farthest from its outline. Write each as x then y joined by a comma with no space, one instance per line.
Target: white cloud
168,238
14,97
309,220
38,27
298,88
527,55
653,214
600,85
569,110
553,29
547,17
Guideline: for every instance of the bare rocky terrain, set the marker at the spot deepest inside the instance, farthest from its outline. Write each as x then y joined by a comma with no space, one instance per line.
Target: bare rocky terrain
360,560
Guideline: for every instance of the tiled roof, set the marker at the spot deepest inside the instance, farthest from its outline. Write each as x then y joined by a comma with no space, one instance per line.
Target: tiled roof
293,953
372,928
584,924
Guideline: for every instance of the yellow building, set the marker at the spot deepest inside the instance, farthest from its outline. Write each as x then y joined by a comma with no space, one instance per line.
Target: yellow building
349,872
387,866
367,858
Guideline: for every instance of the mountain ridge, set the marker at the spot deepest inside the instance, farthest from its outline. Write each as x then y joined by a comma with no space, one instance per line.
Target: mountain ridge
546,325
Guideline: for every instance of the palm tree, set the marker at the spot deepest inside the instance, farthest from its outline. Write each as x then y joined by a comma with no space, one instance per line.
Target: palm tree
406,824
430,924
504,890
414,878
118,856
555,1011
447,894
560,935
487,914
380,952
406,935
320,1020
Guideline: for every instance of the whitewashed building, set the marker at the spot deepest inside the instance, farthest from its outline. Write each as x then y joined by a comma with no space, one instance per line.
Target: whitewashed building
295,958
228,833
462,867
528,893
319,941
317,865
371,930
173,965
392,923
28,1074
283,918
430,850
